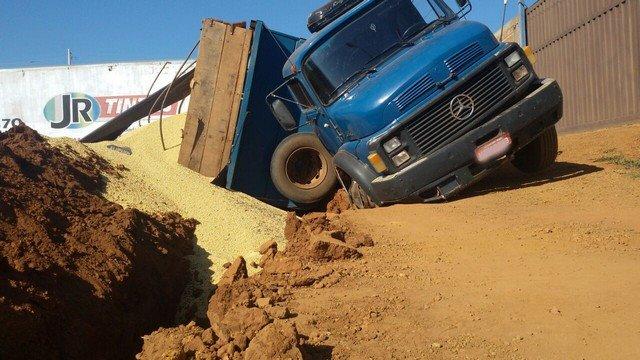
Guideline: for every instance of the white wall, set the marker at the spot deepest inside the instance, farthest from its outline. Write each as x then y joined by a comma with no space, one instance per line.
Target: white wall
44,98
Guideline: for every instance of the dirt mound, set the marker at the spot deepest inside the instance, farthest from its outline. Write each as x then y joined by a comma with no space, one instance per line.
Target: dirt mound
245,324
230,223
81,277
340,203
249,316
322,237
182,342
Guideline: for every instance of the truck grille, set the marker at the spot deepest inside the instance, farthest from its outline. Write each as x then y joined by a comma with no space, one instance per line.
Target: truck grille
436,125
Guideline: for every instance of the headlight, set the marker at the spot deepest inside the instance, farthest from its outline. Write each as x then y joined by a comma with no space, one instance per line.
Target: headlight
401,158
513,59
520,73
392,145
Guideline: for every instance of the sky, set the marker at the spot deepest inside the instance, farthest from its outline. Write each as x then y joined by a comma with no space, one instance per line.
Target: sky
39,32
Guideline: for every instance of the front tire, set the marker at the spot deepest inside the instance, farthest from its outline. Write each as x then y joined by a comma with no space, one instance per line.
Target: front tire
540,154
302,169
361,200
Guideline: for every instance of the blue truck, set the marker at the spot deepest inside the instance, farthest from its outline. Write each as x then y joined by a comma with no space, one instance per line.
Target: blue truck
405,101
393,100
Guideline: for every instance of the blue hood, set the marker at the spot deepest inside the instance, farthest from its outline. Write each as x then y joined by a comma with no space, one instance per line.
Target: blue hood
409,77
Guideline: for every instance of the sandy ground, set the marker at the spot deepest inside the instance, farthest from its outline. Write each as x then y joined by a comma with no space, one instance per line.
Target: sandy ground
230,224
522,267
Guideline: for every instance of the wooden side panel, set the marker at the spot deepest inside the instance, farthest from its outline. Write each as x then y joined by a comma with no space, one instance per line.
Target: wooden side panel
221,112
216,97
237,98
204,84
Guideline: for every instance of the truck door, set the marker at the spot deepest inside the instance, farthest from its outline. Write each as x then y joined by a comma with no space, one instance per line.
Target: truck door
325,128
327,131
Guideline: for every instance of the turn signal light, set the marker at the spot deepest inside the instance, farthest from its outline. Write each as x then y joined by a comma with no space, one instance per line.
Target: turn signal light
377,162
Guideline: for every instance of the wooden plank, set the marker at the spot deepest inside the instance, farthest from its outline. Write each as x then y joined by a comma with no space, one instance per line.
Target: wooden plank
242,74
204,84
223,101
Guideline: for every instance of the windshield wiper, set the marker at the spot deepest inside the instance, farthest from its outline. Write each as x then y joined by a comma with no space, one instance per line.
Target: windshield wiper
371,69
358,74
397,45
402,42
440,20
426,26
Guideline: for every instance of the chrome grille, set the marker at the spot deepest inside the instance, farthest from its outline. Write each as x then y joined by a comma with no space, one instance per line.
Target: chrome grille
437,126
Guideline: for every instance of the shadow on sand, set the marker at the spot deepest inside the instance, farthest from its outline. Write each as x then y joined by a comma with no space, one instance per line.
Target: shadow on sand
198,290
509,178
317,352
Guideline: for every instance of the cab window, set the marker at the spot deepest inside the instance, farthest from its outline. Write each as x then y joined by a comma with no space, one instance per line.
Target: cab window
299,94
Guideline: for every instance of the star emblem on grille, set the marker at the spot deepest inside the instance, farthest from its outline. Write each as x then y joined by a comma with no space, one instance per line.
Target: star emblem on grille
462,107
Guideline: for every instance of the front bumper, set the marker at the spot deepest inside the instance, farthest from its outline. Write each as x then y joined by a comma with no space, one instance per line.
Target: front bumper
452,168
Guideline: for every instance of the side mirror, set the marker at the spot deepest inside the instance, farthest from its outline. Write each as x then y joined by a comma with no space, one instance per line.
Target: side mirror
462,3
283,115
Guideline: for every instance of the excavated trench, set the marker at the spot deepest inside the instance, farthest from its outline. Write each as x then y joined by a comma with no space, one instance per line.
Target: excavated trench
80,276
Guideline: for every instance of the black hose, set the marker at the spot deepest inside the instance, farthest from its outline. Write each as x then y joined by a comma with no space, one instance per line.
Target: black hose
178,74
151,88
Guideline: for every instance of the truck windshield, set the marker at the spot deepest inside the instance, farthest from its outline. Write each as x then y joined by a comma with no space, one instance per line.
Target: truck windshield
356,49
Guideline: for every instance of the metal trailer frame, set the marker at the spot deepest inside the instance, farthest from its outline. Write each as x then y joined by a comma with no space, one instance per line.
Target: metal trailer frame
258,133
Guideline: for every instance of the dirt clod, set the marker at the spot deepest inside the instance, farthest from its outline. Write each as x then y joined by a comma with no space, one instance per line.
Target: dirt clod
236,271
324,247
278,312
340,202
183,342
269,245
360,240
314,237
263,302
276,341
243,321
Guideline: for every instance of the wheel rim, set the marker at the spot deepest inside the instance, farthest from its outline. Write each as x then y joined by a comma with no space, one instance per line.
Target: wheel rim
306,168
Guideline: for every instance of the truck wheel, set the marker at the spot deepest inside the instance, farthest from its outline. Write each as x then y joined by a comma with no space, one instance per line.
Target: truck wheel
540,154
361,200
302,169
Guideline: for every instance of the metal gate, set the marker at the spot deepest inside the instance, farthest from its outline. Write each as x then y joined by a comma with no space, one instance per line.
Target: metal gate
592,47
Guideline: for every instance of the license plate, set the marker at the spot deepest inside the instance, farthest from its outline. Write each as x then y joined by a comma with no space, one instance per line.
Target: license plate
494,148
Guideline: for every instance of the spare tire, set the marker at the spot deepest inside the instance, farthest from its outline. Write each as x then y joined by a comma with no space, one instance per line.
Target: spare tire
302,169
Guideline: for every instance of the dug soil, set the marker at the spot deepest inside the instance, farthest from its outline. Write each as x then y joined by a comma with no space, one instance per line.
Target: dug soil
542,266
248,317
80,277
231,224
519,267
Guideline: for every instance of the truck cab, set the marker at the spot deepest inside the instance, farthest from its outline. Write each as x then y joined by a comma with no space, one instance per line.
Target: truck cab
411,102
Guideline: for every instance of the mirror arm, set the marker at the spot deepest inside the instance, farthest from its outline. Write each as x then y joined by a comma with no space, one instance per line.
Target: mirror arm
464,11
273,95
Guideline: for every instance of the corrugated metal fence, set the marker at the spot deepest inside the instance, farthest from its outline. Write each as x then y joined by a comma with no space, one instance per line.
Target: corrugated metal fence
592,47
